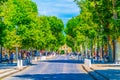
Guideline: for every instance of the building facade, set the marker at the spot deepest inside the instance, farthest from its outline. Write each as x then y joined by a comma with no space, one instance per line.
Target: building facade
66,48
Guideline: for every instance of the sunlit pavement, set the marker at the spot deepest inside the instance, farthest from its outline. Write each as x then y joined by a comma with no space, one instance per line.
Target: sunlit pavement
61,68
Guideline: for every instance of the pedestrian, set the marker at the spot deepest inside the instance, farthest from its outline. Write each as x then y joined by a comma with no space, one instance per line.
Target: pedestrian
6,57
0,57
20,55
79,56
11,57
88,56
24,57
107,57
98,57
28,58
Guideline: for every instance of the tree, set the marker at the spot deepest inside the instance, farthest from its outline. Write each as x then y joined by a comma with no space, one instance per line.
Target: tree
104,13
56,27
17,13
24,28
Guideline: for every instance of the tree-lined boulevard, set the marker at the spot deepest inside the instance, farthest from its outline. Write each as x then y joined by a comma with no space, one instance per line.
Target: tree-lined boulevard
27,36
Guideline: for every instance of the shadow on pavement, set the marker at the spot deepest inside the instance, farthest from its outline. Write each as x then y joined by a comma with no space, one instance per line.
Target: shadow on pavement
99,62
112,74
29,64
6,66
65,61
61,76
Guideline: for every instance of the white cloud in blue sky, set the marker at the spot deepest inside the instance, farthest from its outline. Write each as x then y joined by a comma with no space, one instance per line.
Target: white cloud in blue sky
64,9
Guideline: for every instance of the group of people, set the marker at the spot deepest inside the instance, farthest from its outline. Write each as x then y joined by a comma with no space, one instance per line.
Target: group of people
25,55
7,57
11,56
94,57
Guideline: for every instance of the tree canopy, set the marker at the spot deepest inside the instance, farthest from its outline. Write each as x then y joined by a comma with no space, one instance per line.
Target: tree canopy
23,27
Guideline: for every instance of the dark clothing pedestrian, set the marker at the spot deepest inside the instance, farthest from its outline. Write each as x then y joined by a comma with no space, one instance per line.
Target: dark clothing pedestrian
0,57
11,58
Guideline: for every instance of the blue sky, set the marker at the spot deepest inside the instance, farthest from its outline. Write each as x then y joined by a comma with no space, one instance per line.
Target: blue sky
63,9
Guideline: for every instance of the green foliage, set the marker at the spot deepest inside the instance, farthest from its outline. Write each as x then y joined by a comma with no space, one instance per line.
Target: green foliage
2,32
56,27
25,29
17,13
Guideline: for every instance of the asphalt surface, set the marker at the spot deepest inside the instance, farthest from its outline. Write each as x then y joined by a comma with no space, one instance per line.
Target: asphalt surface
60,68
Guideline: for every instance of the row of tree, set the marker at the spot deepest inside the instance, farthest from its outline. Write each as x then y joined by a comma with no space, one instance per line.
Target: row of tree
97,27
21,26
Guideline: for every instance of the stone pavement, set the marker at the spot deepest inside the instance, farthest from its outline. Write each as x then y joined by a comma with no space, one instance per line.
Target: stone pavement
104,71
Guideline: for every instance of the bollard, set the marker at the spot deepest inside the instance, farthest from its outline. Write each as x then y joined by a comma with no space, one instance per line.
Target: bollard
35,58
18,64
87,62
21,63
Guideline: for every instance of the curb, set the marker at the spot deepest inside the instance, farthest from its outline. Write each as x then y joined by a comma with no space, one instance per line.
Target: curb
5,71
93,73
89,73
17,70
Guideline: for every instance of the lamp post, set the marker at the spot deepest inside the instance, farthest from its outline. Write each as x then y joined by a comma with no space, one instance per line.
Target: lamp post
19,62
16,45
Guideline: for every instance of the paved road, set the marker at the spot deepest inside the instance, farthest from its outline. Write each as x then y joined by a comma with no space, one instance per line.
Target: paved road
61,68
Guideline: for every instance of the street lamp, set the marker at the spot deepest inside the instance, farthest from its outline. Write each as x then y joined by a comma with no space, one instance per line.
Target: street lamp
19,62
16,45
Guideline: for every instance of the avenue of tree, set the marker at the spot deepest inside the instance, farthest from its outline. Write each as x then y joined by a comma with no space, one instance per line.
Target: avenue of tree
96,28
21,26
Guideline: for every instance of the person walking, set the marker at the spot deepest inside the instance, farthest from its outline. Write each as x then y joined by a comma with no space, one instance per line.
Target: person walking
0,57
11,57
6,59
28,58
79,56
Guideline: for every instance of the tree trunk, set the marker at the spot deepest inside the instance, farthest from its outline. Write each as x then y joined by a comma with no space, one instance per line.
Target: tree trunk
115,18
102,48
98,46
1,54
114,49
91,47
109,49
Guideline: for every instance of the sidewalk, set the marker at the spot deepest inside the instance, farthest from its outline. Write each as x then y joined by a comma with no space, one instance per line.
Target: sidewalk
8,69
106,71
